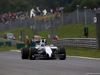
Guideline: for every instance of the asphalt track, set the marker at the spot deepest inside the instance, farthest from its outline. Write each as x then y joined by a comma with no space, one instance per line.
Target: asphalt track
12,64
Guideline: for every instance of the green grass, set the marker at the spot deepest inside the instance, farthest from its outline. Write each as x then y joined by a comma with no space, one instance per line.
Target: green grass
76,31
71,51
7,48
72,31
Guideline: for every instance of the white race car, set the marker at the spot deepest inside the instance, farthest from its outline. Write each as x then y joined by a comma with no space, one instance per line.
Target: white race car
46,52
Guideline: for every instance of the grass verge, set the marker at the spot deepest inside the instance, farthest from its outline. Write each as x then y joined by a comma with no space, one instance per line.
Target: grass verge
71,51
7,48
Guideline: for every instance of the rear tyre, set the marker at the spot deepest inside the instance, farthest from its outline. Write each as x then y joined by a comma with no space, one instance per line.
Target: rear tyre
62,54
25,53
32,53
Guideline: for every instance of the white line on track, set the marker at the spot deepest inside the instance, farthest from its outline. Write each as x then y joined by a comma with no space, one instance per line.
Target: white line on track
15,50
84,57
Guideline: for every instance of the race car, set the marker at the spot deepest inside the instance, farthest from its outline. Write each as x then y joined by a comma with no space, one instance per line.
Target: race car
45,52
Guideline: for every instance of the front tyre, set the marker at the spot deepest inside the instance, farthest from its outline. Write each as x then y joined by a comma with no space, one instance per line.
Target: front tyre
32,53
62,54
25,53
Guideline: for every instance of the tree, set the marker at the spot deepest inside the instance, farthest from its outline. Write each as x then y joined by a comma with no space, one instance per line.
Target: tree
27,5
69,1
73,4
89,4
4,6
67,8
19,5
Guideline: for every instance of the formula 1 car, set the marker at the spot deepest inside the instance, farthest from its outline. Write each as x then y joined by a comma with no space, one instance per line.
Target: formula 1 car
45,52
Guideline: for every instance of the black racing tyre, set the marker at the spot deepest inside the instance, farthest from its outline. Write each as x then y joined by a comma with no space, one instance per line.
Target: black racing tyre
62,54
31,53
25,53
